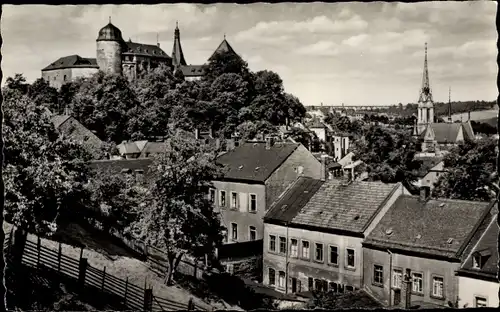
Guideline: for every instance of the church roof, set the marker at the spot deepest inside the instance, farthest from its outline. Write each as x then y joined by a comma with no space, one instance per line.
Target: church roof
72,61
177,54
224,46
144,49
448,132
192,70
110,33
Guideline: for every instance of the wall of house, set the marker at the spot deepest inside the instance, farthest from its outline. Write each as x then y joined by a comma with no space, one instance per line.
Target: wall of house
432,177
302,269
241,214
470,288
82,72
428,267
57,77
320,133
301,162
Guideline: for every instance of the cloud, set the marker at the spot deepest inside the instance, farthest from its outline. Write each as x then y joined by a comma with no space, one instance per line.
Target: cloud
320,48
355,41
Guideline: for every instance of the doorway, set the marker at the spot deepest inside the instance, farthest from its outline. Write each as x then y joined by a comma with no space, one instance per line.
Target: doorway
294,285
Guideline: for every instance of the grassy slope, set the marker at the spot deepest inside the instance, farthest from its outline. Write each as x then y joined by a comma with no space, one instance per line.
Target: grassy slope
119,264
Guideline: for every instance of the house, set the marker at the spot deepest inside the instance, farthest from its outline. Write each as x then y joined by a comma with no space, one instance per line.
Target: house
422,240
340,146
432,168
440,137
72,128
477,277
139,169
313,233
140,149
320,129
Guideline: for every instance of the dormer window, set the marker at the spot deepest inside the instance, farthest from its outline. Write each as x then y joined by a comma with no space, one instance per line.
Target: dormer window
479,258
476,261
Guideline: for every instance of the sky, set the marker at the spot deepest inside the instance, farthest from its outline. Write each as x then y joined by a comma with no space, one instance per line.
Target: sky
331,53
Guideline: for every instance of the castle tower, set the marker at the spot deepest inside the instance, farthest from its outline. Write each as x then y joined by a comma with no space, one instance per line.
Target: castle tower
425,101
109,49
177,55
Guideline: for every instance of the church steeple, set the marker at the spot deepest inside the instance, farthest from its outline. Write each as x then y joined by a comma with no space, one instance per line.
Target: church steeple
425,91
177,55
425,101
449,105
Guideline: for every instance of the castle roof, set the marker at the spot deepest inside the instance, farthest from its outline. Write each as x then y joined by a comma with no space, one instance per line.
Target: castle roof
224,46
110,33
72,61
135,48
177,55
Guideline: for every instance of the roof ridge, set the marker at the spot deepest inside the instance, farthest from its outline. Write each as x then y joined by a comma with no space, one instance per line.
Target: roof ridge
287,190
408,244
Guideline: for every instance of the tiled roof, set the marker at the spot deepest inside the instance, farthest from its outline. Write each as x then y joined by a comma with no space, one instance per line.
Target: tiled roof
292,200
252,161
488,246
148,49
468,131
344,207
110,32
153,148
448,132
316,124
128,148
72,61
117,165
58,120
192,70
427,164
177,54
438,226
224,46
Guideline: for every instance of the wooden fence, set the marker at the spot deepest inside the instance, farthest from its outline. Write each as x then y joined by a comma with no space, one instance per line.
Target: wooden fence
134,297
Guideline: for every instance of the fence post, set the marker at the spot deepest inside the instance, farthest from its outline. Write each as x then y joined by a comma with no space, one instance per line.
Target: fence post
38,247
82,271
103,278
59,258
148,299
126,290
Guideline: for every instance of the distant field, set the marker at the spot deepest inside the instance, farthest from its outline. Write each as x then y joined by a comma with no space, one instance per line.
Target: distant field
477,115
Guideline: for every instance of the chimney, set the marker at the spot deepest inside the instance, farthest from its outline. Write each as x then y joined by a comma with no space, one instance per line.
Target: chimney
324,169
197,134
425,192
269,142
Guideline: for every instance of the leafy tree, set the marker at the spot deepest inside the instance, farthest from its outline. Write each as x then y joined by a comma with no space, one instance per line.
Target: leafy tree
225,63
329,300
44,173
104,104
67,93
42,93
249,130
18,82
178,217
470,172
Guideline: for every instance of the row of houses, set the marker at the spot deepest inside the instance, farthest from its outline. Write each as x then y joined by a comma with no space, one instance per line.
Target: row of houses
404,250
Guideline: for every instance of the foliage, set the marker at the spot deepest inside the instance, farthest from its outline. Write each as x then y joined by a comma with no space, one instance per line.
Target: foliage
389,155
249,130
177,216
329,300
18,83
44,173
488,126
225,63
103,104
41,93
471,171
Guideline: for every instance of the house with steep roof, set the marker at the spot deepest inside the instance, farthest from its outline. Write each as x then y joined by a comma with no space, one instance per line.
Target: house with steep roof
477,277
430,171
69,68
421,240
72,128
440,137
313,233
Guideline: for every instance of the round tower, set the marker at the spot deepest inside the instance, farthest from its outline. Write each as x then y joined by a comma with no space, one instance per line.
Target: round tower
109,49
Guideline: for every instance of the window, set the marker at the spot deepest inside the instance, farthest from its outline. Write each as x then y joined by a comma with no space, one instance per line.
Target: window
211,195
253,202
310,283
281,279
294,248
318,284
476,261
437,287
418,282
378,274
234,200
334,255
253,233
272,277
282,245
350,258
234,227
305,249
319,252
65,77
333,287
272,243
397,278
222,201
480,302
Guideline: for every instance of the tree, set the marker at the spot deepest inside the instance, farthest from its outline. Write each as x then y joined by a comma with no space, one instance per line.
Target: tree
104,104
225,63
249,130
42,93
178,217
18,82
470,172
44,173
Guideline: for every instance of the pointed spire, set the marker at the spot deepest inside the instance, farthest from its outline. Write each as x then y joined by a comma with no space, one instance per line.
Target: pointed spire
449,105
110,19
177,54
425,91
224,36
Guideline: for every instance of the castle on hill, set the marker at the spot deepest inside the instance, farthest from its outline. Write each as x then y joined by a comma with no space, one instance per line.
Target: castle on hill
131,59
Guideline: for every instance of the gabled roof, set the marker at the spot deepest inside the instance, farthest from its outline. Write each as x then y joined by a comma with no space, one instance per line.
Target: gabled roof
128,148
428,163
191,70
439,227
251,161
58,120
144,49
448,132
153,148
118,165
487,247
177,54
350,207
468,131
72,61
224,46
293,199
